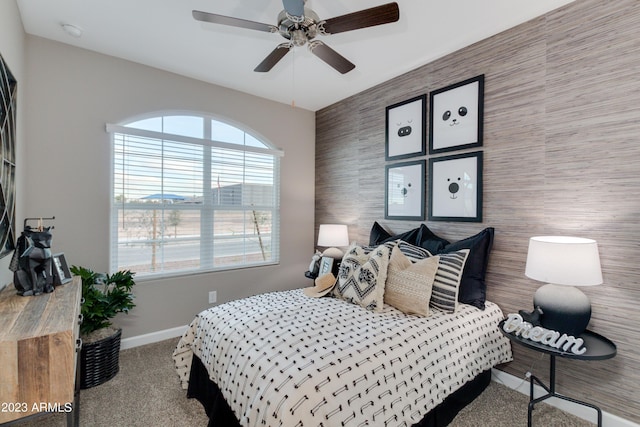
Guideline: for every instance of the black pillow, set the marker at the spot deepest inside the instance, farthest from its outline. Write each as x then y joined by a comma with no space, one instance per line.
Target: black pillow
473,288
420,236
430,241
379,235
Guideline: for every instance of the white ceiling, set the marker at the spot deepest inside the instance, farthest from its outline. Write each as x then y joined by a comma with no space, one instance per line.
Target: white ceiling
164,35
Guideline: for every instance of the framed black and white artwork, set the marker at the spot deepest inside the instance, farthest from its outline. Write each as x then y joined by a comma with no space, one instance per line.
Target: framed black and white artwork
61,272
326,265
406,129
404,191
456,116
455,188
8,125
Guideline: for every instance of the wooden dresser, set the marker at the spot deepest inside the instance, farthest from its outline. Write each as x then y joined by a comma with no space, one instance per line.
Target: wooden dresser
39,342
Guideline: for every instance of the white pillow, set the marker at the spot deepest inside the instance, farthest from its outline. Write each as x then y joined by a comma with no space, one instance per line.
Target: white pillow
362,276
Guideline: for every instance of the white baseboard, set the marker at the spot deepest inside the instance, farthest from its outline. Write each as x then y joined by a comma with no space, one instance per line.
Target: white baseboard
586,413
152,337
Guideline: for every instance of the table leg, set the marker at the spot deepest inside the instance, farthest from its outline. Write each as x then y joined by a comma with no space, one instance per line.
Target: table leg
73,417
551,392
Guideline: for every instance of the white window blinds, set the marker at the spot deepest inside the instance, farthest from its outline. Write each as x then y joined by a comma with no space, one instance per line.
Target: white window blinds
203,197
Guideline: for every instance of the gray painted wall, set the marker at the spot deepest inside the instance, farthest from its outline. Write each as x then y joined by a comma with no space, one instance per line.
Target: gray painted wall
561,153
71,94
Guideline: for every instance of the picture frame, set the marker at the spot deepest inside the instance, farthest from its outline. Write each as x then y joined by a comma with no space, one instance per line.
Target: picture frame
61,272
405,191
405,128
456,115
455,187
326,265
8,126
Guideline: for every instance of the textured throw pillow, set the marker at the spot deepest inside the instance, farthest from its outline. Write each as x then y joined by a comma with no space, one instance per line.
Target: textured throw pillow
408,286
473,288
413,252
362,276
447,281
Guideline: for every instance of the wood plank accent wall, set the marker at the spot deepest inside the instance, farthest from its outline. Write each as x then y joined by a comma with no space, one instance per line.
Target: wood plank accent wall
561,156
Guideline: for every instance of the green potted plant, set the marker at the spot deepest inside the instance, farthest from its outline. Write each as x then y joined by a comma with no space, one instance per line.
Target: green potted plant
104,296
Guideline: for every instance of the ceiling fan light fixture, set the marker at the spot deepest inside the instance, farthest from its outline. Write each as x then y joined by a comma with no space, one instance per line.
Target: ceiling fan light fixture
298,37
300,26
72,30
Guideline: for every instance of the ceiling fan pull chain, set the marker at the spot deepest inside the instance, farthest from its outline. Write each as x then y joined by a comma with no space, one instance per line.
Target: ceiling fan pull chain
293,80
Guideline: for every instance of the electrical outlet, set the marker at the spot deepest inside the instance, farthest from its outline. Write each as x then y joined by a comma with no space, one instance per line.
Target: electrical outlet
213,297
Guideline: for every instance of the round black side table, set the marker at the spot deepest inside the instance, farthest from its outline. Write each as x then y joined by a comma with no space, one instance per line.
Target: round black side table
598,348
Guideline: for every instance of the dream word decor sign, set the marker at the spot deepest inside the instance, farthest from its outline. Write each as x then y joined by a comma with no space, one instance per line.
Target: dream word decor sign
517,326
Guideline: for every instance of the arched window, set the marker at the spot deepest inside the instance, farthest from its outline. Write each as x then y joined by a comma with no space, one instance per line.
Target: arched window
192,193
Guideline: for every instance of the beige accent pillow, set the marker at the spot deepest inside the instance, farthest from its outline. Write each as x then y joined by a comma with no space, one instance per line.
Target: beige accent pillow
409,284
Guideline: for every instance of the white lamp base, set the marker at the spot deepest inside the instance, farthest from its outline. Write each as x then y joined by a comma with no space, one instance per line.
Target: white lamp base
333,253
565,309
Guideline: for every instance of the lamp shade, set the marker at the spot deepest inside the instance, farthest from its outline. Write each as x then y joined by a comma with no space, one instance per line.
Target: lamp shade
561,260
331,235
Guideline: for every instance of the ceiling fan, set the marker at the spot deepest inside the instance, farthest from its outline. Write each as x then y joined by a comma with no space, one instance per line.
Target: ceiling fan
300,25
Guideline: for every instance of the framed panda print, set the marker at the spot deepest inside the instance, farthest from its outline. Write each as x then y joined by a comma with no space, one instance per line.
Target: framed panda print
456,115
404,191
405,130
455,188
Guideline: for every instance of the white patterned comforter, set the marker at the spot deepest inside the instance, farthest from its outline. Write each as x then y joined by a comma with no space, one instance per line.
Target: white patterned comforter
284,359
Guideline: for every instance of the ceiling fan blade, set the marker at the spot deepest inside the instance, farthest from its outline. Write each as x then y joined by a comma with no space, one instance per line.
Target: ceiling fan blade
378,15
294,7
331,57
234,22
273,58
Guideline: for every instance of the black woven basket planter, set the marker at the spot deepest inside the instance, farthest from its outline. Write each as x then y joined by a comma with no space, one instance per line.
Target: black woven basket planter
99,360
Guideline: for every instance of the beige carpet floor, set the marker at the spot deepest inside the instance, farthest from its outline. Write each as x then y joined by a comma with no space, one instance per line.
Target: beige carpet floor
146,393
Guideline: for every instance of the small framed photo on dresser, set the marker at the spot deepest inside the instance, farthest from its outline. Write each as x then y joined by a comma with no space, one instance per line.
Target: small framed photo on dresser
61,272
326,265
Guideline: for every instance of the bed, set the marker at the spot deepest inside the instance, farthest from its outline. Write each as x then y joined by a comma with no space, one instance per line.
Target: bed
288,359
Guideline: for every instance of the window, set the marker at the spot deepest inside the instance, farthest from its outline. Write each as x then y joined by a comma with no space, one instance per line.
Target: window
192,193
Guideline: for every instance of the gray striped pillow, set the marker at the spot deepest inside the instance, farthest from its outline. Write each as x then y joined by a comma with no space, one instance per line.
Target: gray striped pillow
413,252
444,294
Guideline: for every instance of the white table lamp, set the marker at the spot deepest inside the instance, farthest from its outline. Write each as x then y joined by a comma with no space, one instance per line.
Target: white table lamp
333,236
563,262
